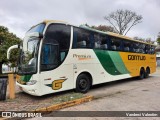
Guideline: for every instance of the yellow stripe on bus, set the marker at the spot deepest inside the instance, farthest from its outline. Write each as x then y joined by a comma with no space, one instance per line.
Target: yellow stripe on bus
134,62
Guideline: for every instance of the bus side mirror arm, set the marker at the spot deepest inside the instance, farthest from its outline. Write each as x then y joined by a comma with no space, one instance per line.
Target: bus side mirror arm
9,50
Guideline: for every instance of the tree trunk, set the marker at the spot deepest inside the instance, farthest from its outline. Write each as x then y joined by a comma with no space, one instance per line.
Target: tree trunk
1,67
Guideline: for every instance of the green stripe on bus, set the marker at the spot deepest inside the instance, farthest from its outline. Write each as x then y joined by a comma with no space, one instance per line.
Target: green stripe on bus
26,78
117,61
111,62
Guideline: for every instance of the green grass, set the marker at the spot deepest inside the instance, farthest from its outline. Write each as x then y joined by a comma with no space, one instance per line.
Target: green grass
67,97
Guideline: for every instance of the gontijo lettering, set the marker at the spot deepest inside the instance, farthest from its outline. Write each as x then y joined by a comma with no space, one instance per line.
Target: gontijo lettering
136,57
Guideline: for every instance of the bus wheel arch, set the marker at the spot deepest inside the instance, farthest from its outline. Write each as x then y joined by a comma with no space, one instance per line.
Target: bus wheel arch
83,82
147,72
142,73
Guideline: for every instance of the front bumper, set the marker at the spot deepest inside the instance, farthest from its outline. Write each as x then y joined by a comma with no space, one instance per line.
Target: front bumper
30,89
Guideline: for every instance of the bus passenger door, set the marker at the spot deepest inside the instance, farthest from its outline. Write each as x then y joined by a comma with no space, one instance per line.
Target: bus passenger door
55,75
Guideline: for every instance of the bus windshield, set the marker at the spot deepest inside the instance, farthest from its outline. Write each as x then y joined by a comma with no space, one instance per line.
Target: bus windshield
29,56
29,52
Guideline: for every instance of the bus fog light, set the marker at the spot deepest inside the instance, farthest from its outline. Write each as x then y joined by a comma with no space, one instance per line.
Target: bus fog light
31,82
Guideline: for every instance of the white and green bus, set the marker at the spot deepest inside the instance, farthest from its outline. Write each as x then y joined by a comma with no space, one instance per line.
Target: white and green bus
56,56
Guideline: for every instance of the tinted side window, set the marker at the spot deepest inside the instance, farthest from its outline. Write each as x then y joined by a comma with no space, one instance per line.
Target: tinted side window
127,46
100,42
82,38
97,41
58,33
136,47
115,44
55,46
147,49
49,56
152,49
142,48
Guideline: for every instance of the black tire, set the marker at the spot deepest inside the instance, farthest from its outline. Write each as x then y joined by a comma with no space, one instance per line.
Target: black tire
142,74
83,83
147,73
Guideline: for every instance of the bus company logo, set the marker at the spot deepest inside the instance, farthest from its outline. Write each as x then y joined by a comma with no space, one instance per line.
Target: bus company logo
57,84
82,57
136,57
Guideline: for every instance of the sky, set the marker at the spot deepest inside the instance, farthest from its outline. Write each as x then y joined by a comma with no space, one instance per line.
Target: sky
20,15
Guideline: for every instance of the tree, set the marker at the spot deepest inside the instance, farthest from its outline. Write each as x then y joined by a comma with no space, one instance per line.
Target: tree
158,42
158,38
139,38
147,40
104,28
7,39
123,20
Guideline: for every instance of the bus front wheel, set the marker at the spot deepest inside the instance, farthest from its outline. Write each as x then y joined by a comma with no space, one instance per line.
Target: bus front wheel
83,83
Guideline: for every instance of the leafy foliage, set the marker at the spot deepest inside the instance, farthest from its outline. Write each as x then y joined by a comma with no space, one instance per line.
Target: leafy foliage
103,28
147,40
158,38
7,39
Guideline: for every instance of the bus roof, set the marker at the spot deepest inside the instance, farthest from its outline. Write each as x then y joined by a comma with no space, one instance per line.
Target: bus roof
54,21
102,32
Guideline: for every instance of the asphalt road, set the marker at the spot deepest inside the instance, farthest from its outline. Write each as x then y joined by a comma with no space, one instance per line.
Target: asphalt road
123,95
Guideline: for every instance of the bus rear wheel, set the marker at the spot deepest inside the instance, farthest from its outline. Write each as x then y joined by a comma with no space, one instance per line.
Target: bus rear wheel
83,83
147,73
142,74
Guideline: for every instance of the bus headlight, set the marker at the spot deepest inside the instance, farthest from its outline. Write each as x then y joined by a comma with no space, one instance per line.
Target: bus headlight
31,82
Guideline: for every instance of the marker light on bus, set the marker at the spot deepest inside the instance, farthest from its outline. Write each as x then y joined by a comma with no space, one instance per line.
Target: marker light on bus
31,82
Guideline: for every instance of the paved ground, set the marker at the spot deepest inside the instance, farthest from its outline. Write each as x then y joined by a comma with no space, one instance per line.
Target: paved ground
125,95
26,102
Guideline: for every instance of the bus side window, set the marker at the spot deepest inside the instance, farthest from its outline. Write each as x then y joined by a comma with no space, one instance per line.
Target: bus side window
136,47
81,38
104,44
127,46
45,54
82,44
100,42
147,50
55,46
152,49
49,56
62,55
113,46
97,41
116,44
142,48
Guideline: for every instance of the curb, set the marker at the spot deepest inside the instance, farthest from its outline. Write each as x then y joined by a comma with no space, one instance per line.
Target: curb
64,104
3,118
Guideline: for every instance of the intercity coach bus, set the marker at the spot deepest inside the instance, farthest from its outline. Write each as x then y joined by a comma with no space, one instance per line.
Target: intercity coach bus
56,56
